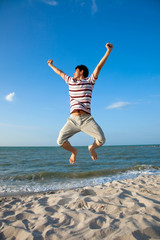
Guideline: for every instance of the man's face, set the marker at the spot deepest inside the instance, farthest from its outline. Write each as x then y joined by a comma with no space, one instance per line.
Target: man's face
78,74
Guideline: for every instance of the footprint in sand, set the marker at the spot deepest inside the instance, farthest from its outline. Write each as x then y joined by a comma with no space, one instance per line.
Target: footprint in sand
8,213
97,223
86,192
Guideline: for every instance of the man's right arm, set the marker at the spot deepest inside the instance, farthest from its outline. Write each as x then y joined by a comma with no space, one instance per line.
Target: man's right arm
55,69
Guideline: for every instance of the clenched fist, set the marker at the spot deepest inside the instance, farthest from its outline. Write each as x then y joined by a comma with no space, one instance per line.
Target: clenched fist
109,46
50,61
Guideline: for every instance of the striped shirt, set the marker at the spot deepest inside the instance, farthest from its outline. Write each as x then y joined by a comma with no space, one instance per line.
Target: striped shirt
80,92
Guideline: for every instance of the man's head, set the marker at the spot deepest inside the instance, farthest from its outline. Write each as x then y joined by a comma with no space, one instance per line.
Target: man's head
81,71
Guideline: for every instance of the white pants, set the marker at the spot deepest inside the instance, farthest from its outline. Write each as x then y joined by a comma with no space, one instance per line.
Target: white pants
84,123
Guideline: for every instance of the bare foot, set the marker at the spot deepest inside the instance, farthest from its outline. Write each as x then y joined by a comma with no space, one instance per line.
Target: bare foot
73,157
93,153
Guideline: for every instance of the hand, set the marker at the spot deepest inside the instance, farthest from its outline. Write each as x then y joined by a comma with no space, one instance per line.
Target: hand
50,61
109,46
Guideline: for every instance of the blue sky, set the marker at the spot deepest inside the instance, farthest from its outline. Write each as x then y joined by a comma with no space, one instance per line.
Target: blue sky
34,101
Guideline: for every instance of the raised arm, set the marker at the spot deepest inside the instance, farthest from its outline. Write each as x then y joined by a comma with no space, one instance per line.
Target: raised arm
58,71
103,60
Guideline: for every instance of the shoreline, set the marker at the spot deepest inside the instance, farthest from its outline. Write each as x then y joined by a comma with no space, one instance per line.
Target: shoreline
120,210
92,182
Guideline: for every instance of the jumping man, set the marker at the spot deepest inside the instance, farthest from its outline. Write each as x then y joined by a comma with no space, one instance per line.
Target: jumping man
80,92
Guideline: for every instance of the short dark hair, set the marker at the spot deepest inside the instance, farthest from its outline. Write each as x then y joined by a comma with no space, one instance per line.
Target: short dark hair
85,70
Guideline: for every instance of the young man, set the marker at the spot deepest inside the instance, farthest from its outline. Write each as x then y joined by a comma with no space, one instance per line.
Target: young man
80,92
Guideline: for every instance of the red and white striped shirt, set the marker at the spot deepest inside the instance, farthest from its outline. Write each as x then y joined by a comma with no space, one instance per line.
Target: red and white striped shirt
80,92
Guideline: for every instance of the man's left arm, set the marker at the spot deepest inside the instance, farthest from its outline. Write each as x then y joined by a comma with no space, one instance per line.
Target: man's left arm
103,60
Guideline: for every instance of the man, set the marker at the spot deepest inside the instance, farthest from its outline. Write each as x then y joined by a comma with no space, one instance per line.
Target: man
80,91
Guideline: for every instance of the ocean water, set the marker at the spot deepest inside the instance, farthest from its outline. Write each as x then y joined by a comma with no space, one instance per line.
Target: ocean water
38,169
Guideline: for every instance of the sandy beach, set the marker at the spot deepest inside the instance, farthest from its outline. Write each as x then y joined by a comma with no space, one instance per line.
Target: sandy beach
121,210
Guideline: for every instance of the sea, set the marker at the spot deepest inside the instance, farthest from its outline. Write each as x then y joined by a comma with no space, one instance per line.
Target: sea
26,170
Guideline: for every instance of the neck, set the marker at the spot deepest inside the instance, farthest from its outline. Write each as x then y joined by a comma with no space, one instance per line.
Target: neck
79,78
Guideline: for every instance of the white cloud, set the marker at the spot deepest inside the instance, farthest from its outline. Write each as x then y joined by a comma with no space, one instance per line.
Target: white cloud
51,2
94,7
118,105
10,97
